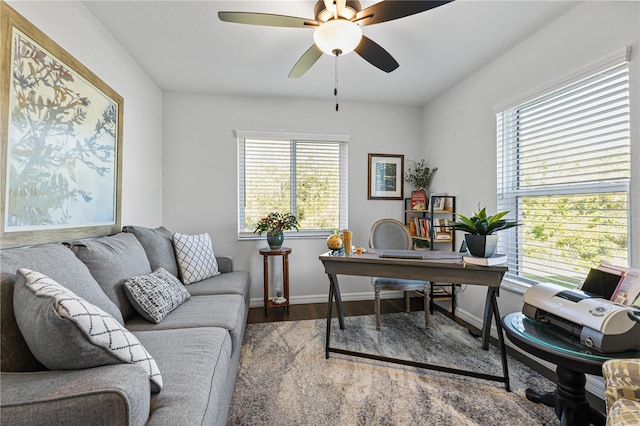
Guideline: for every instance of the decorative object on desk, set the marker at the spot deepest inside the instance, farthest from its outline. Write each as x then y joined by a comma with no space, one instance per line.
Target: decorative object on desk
346,239
385,177
480,229
496,259
334,242
274,225
420,176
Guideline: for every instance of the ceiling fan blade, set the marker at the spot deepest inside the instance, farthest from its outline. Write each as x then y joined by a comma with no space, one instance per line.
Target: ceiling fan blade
393,9
373,53
267,19
307,60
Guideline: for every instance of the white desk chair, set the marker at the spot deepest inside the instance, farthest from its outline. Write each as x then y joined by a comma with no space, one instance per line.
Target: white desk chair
392,234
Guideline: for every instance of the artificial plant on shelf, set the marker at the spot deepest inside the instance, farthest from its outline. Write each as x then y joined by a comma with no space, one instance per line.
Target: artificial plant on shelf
274,224
420,176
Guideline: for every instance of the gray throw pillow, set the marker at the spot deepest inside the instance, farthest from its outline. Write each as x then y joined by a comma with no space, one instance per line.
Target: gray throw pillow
65,332
111,261
158,244
195,257
156,294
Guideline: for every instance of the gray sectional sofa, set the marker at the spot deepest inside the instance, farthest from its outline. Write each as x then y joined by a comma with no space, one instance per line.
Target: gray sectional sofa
196,346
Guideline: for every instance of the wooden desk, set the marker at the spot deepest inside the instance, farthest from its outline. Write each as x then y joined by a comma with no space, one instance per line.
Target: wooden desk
266,253
437,266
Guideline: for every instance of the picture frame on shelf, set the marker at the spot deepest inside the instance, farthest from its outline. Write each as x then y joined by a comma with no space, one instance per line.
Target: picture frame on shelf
439,203
443,232
385,177
61,142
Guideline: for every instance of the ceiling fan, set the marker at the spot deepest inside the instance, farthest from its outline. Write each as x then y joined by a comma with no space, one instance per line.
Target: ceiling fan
337,28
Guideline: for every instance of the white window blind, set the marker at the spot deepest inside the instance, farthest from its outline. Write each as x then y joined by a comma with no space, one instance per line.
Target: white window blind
307,177
563,171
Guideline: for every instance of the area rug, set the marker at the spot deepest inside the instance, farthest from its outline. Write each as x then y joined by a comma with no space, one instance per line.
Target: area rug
284,379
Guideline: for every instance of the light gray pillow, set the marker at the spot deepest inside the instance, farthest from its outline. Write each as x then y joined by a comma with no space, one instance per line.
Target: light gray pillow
65,332
156,294
195,257
112,260
158,245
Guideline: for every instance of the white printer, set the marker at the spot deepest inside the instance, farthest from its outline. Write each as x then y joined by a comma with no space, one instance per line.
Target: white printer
599,323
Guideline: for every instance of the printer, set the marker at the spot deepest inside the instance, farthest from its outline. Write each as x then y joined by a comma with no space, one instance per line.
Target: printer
599,323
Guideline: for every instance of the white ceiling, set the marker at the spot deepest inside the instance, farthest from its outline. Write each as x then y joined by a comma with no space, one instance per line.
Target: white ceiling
183,46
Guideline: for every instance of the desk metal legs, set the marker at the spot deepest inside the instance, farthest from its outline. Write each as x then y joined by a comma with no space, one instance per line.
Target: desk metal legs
491,310
334,293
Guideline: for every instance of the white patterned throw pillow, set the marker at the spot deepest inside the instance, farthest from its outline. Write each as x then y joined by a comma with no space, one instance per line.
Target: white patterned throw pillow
156,294
195,257
66,332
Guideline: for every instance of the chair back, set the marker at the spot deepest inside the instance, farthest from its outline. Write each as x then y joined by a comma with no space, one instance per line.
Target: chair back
390,234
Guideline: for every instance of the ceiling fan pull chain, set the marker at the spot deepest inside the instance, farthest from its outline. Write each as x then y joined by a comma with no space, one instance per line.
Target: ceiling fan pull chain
335,88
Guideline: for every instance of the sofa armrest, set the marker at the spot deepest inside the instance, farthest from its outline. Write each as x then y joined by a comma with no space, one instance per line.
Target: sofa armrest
117,394
225,264
621,379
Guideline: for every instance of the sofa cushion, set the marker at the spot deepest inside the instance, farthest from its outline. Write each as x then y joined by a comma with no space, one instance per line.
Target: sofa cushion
156,294
226,311
111,261
158,244
196,259
237,282
195,363
57,262
66,332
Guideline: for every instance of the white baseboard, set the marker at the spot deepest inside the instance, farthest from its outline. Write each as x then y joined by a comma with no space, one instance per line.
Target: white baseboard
322,298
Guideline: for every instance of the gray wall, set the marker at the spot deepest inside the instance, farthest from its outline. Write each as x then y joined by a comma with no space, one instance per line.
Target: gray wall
200,179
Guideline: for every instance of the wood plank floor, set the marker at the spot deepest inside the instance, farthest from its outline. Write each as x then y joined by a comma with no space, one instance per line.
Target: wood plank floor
319,310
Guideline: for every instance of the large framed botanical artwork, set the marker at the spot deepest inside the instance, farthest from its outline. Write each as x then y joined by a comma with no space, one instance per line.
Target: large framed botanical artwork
61,141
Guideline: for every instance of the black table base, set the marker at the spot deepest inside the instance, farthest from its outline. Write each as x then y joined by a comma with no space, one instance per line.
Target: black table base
569,400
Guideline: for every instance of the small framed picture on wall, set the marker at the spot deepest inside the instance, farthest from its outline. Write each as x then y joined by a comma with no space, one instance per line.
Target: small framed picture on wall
386,177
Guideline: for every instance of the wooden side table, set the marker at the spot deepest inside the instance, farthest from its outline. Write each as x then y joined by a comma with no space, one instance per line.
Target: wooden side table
266,253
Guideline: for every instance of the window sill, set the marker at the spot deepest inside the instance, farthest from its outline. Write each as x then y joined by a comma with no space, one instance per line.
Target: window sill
514,286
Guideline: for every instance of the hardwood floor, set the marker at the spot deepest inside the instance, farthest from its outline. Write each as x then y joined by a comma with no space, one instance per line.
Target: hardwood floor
319,310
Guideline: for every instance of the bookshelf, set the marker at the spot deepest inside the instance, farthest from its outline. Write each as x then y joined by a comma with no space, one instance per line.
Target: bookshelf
432,227
431,230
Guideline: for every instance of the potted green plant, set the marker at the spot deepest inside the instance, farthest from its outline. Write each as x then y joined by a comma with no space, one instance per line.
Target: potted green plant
274,224
420,176
481,228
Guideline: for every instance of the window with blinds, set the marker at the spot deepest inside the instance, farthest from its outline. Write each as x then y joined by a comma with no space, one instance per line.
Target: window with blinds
564,171
306,176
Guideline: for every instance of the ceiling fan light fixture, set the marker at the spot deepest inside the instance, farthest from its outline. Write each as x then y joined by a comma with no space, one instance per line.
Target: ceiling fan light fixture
337,37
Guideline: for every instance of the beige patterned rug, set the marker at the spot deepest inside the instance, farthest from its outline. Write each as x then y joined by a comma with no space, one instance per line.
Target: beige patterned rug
284,378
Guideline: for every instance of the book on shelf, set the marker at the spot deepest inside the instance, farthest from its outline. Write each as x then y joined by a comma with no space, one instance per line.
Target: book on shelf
418,200
496,259
420,227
